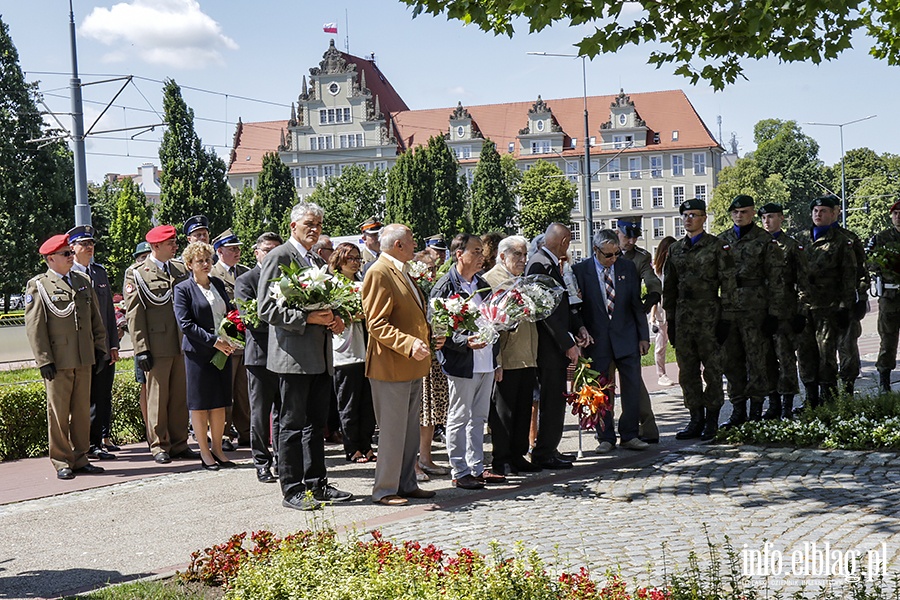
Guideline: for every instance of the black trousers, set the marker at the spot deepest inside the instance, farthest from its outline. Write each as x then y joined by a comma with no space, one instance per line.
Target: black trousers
301,421
265,404
354,402
552,409
101,403
510,416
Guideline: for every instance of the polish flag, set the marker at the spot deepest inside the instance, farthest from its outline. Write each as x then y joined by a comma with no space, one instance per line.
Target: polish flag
329,27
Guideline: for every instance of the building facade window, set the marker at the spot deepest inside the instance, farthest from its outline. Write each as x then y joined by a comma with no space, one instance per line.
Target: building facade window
321,142
470,175
634,167
329,116
615,200
575,227
657,194
637,200
699,163
677,195
659,228
312,176
463,152
613,169
248,182
656,165
327,172
352,140
541,147
595,197
381,165
700,192
363,165
679,227
577,255
677,165
572,171
298,178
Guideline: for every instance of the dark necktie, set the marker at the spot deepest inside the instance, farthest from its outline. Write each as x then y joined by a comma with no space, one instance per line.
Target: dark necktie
68,281
312,259
166,268
610,291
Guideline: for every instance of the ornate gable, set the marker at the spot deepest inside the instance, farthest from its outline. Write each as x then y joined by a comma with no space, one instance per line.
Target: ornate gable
622,114
540,120
332,63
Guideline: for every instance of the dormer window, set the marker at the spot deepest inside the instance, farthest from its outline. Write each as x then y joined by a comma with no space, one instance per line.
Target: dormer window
539,125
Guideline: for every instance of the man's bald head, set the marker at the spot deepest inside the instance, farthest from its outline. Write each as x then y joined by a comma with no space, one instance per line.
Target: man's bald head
557,238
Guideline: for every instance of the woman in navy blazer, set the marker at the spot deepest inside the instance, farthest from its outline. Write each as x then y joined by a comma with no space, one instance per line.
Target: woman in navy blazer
201,302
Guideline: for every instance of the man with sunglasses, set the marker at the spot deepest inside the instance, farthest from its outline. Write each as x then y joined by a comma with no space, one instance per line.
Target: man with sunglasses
698,287
66,333
82,240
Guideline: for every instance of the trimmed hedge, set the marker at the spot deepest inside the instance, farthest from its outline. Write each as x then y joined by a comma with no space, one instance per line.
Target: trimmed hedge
23,415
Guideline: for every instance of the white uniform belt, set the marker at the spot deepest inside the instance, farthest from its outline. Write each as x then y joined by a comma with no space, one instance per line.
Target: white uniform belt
892,286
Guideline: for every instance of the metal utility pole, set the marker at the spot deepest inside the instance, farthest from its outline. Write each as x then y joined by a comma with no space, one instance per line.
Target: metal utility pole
82,206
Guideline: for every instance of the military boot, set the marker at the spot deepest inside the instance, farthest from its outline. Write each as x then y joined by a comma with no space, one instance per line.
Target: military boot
848,386
884,381
829,392
694,426
787,407
738,414
712,424
813,399
756,406
774,410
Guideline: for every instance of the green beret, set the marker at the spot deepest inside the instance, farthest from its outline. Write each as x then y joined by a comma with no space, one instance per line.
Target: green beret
771,207
741,201
829,201
692,204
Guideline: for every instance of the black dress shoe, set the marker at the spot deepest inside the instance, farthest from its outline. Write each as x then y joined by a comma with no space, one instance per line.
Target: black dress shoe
225,464
554,464
650,440
264,475
209,467
418,493
65,473
227,446
468,482
570,458
301,501
90,469
504,468
98,453
187,454
111,447
523,466
162,458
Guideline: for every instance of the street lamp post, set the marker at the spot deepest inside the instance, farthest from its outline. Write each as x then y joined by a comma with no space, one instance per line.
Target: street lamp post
840,126
588,200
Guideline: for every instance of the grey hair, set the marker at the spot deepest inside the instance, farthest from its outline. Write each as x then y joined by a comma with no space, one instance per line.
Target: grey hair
604,237
391,234
536,244
301,209
507,243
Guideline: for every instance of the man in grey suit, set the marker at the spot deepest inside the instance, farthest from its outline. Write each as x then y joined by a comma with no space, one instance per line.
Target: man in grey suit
300,354
615,319
262,383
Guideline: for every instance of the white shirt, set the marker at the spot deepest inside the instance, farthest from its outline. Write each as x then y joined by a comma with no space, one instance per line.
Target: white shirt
404,268
483,358
216,303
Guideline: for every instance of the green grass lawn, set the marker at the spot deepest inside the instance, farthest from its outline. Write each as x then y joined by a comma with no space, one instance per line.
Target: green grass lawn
23,375
648,360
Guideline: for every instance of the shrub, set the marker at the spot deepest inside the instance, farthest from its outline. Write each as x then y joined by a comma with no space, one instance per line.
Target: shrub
23,415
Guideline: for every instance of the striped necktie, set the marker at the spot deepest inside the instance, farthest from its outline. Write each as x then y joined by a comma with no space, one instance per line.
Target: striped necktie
610,291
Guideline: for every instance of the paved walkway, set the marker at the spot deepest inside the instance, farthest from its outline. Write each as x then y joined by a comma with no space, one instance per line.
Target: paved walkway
142,519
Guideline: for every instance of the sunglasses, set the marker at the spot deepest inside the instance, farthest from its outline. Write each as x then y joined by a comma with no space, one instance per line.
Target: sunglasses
608,254
65,253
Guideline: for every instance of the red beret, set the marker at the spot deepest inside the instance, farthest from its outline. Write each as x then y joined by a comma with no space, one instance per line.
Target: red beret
160,233
54,244
895,206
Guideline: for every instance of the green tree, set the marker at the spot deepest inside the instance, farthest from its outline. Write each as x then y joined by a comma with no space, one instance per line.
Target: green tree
701,39
408,197
193,178
545,196
129,224
449,190
745,177
275,192
351,198
872,202
249,219
493,202
102,198
783,149
36,182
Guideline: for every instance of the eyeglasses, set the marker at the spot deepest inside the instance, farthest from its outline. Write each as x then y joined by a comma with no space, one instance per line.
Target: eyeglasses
65,253
354,259
691,216
517,254
608,254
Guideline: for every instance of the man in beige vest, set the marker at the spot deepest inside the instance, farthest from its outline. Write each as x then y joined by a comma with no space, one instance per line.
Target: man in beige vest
397,358
66,333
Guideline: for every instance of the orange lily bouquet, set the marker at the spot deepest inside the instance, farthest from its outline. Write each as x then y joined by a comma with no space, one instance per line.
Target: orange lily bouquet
591,399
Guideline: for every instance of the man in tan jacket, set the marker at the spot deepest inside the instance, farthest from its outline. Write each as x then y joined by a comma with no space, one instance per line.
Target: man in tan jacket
66,333
397,358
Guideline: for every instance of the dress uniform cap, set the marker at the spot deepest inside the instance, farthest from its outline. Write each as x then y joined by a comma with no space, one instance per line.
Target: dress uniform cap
741,201
80,233
895,206
54,244
141,248
371,226
195,222
160,233
829,201
437,242
226,238
692,204
770,207
631,229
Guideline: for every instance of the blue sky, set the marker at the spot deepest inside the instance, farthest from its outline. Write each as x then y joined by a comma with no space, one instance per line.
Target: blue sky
261,50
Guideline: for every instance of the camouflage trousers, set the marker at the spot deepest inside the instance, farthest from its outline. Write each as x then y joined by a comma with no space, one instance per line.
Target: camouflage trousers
782,361
849,363
889,332
817,349
746,352
699,360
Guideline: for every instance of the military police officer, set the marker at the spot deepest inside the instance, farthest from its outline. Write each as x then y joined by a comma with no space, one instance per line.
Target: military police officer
884,260
196,229
698,286
66,333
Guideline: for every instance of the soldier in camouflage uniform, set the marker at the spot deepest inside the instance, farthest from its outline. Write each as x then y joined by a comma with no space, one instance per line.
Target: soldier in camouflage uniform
782,361
848,346
629,232
887,286
697,268
828,298
759,304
